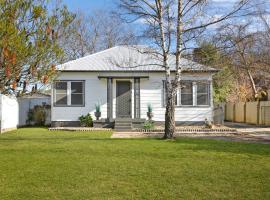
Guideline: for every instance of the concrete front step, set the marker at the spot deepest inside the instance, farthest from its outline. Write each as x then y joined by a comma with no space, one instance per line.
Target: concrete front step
129,120
123,124
123,127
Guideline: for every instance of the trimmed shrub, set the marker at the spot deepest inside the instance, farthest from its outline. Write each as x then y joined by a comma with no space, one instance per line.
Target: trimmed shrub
86,120
148,124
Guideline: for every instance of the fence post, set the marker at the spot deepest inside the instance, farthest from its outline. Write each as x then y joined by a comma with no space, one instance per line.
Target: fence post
245,112
234,117
225,111
258,112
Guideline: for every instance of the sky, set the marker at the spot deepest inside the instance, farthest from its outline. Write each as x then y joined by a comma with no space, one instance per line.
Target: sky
89,5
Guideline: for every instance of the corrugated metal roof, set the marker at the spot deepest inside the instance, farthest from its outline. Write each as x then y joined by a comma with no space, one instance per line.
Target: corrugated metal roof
128,58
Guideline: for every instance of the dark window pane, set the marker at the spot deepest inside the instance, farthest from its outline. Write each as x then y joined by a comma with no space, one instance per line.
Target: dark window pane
61,93
61,87
61,99
186,87
76,87
76,99
202,88
186,93
203,94
202,99
186,99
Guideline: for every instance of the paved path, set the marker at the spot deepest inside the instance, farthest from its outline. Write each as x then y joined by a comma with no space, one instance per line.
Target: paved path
246,137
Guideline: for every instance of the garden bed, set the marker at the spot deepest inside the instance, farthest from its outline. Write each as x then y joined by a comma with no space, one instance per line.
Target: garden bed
78,129
193,130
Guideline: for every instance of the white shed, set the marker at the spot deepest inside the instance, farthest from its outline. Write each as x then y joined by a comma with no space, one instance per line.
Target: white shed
9,113
28,102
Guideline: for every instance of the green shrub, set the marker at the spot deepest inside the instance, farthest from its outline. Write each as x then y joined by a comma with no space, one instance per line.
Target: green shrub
86,120
148,124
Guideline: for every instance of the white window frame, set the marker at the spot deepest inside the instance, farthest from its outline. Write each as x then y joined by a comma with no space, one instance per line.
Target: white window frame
69,94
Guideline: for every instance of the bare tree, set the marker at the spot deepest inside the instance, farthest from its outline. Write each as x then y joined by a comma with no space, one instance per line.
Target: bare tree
247,52
171,25
98,31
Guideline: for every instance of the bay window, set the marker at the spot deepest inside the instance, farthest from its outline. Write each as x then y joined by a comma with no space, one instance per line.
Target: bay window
191,93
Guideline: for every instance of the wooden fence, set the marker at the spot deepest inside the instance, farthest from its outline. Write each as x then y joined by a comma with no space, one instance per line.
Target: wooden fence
248,112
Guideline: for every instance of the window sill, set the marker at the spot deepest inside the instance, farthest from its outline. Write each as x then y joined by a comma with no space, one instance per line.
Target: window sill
187,106
198,106
68,106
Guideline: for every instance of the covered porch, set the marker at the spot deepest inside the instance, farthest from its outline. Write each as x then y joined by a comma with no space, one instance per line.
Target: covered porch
123,100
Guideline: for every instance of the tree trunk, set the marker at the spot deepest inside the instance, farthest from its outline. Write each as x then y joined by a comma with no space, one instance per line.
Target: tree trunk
170,118
252,83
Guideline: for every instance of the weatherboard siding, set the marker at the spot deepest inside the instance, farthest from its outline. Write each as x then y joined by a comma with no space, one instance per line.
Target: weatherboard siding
150,92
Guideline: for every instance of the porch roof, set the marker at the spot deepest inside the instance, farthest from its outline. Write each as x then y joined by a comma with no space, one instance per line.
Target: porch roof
123,75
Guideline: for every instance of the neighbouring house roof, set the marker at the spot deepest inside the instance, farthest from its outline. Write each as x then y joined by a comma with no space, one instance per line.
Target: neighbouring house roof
35,95
129,59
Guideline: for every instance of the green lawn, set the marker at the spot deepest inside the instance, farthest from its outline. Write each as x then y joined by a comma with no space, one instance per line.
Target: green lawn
38,164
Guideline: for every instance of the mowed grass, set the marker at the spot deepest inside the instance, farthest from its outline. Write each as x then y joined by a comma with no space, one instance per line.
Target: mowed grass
38,164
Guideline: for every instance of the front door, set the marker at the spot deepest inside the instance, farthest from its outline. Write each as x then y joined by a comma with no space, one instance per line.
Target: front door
123,99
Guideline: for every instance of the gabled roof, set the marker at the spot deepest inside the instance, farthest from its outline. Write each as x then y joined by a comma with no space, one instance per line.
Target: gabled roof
129,59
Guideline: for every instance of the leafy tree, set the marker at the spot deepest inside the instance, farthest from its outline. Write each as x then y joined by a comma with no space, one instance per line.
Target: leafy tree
29,46
208,54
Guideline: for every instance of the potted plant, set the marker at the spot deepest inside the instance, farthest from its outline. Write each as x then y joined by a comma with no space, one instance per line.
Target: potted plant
97,113
150,111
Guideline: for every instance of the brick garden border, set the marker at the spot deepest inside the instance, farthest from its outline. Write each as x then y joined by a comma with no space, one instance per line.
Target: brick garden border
193,131
79,129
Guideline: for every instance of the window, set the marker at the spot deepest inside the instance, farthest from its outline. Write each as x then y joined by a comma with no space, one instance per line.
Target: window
203,93
69,93
186,93
191,92
61,93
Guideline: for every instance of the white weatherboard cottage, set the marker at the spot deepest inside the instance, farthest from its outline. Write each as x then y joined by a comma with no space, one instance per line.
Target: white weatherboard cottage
124,80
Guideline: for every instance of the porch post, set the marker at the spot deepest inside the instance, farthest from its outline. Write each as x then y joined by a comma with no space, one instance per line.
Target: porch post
137,100
109,98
